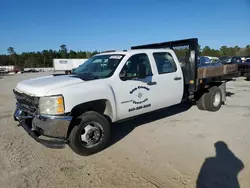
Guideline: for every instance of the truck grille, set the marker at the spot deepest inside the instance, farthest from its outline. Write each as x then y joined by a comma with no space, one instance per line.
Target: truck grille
26,102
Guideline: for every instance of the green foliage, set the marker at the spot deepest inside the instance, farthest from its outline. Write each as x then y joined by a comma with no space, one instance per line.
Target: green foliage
63,51
226,51
41,59
11,51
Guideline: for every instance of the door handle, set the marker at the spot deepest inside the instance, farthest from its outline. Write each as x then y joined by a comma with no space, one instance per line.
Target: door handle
177,78
151,83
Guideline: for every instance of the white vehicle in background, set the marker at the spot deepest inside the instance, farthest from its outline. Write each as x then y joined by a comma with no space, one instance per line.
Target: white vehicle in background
3,71
67,65
213,59
7,69
247,60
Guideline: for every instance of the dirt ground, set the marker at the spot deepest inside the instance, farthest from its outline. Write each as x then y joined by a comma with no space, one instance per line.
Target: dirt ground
170,148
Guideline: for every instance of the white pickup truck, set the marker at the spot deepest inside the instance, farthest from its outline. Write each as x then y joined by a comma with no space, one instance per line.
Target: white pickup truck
78,109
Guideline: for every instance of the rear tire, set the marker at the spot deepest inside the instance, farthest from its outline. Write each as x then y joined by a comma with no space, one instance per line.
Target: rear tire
201,102
91,123
213,99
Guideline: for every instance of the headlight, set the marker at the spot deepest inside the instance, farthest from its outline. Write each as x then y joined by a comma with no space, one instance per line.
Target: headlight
51,105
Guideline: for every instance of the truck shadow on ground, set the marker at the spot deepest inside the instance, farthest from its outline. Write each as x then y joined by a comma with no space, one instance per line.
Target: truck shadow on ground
122,129
220,171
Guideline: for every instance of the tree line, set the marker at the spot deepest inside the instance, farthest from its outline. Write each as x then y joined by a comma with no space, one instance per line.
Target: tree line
226,51
45,57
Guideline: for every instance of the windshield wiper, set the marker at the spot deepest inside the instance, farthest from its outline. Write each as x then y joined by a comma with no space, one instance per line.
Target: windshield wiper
86,76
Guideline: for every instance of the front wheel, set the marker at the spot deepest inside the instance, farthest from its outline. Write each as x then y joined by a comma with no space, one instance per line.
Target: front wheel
90,135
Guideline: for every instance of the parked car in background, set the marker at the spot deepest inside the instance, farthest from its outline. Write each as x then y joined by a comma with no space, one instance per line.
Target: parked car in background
213,59
247,61
230,60
243,59
32,70
3,71
6,69
204,61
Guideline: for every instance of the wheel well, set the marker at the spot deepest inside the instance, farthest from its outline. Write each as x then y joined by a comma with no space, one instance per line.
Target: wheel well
102,106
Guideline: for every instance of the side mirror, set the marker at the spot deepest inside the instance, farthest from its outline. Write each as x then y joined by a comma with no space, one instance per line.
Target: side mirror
142,73
123,75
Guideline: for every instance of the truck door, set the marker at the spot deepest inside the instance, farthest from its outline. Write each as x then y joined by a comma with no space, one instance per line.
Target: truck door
169,78
135,94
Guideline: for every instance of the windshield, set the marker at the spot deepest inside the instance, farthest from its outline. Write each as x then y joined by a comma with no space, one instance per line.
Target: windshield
100,66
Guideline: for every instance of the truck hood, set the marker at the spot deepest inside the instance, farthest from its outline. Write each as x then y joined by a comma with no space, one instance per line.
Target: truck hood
42,85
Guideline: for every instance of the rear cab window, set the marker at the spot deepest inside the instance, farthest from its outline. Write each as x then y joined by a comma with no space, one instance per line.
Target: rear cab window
164,62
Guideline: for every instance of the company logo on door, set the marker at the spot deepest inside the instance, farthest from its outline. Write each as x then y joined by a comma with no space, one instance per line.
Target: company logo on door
138,92
139,98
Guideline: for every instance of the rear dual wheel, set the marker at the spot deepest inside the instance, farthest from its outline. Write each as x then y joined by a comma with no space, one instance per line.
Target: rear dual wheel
211,100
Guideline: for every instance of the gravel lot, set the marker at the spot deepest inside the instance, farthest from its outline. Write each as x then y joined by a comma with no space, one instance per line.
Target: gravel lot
166,148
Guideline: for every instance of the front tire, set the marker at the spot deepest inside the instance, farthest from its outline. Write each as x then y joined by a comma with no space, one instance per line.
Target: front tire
90,135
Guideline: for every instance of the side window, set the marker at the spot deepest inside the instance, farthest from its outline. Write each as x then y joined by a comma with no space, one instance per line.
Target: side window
164,62
136,65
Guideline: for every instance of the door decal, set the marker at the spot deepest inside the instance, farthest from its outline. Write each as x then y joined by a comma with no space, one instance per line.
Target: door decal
139,97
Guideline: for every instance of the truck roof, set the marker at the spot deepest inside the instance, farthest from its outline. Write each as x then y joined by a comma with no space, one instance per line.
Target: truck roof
136,51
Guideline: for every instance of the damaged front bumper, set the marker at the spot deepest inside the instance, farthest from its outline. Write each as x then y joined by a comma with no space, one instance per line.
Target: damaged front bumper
50,131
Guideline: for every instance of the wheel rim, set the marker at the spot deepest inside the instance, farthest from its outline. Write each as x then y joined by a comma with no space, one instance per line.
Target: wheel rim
91,134
217,99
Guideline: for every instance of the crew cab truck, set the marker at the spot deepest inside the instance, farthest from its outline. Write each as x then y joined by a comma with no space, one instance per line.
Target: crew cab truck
78,109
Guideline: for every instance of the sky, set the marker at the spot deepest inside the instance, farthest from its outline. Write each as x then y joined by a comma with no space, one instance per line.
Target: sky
35,25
